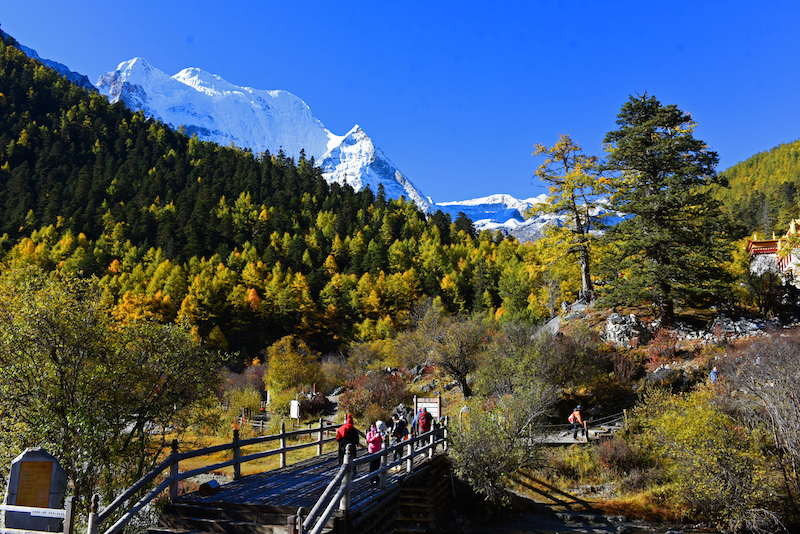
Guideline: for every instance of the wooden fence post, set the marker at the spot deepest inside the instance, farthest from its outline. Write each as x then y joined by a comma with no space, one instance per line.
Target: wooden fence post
173,472
69,516
445,432
282,442
91,527
384,462
409,451
237,455
320,438
295,522
349,453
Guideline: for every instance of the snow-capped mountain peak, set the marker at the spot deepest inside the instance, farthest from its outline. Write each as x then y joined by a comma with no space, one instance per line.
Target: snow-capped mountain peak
217,110
358,162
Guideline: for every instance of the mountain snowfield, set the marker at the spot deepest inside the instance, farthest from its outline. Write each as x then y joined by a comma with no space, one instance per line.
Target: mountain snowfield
219,111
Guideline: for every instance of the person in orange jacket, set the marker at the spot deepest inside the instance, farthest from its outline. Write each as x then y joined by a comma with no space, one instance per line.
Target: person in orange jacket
577,422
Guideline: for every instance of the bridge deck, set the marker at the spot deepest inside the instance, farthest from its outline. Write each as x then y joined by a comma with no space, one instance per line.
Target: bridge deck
299,484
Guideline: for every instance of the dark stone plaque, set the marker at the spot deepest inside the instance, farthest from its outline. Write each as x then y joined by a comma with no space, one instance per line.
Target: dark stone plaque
37,481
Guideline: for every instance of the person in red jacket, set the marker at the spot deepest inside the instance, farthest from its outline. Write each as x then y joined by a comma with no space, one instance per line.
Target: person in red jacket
425,421
346,434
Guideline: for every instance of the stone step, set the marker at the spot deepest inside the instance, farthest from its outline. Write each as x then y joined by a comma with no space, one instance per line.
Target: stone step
218,526
167,530
234,514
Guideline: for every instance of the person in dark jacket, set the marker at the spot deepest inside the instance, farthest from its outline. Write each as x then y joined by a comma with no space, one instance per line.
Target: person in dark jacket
399,433
346,434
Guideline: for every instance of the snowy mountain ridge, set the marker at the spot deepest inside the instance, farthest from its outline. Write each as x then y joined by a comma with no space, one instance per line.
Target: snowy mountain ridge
216,110
219,111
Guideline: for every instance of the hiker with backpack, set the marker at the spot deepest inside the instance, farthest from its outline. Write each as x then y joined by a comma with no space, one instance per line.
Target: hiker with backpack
577,422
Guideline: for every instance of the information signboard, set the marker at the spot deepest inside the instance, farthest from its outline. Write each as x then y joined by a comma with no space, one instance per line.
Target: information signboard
34,484
294,409
432,404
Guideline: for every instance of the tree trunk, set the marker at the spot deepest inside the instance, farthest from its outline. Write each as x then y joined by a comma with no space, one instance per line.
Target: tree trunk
587,290
667,307
465,389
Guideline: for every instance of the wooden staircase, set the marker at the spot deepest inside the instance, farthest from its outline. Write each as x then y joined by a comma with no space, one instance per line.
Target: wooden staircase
423,500
607,429
184,518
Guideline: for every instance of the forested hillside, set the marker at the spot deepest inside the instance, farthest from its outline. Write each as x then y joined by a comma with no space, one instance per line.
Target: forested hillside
763,192
246,247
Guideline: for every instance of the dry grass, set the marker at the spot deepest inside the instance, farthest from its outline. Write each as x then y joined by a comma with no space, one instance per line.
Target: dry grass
644,506
193,442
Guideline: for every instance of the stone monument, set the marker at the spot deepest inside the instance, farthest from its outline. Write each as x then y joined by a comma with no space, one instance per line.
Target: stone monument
36,481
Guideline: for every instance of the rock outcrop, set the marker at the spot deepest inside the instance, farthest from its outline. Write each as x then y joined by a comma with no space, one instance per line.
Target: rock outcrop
625,331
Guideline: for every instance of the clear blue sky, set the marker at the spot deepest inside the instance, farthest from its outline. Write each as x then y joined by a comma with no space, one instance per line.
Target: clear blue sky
457,93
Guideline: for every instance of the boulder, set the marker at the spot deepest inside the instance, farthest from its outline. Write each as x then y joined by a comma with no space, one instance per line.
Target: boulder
625,331
666,377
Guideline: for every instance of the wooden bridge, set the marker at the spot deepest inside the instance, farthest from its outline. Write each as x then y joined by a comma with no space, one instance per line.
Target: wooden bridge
312,496
593,429
403,493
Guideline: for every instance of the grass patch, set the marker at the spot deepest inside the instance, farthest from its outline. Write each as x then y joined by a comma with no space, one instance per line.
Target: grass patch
648,505
192,442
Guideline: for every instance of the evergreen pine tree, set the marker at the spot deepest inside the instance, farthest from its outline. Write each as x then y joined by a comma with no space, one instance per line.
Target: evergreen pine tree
674,240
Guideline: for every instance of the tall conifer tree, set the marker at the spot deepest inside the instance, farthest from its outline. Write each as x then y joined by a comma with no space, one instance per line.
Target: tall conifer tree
674,240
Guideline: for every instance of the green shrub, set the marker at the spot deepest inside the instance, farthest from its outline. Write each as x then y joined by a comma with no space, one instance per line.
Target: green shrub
719,470
617,456
575,464
279,402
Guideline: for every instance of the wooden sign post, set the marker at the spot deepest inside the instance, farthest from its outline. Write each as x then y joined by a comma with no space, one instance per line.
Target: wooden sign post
432,404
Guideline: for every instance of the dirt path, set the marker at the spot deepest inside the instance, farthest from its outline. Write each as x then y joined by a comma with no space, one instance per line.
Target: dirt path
533,523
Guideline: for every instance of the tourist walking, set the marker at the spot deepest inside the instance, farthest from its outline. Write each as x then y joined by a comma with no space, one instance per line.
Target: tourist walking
345,435
425,421
577,422
415,423
399,432
374,444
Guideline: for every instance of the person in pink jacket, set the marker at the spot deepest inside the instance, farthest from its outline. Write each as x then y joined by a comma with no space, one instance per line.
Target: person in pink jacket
374,444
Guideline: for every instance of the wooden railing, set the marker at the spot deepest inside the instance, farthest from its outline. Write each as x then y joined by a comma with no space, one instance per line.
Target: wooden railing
336,497
67,514
545,432
171,464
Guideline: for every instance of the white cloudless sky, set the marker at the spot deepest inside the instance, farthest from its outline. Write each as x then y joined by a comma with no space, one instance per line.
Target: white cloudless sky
457,93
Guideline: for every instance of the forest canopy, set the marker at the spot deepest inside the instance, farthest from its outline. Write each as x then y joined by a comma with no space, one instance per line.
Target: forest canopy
246,248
